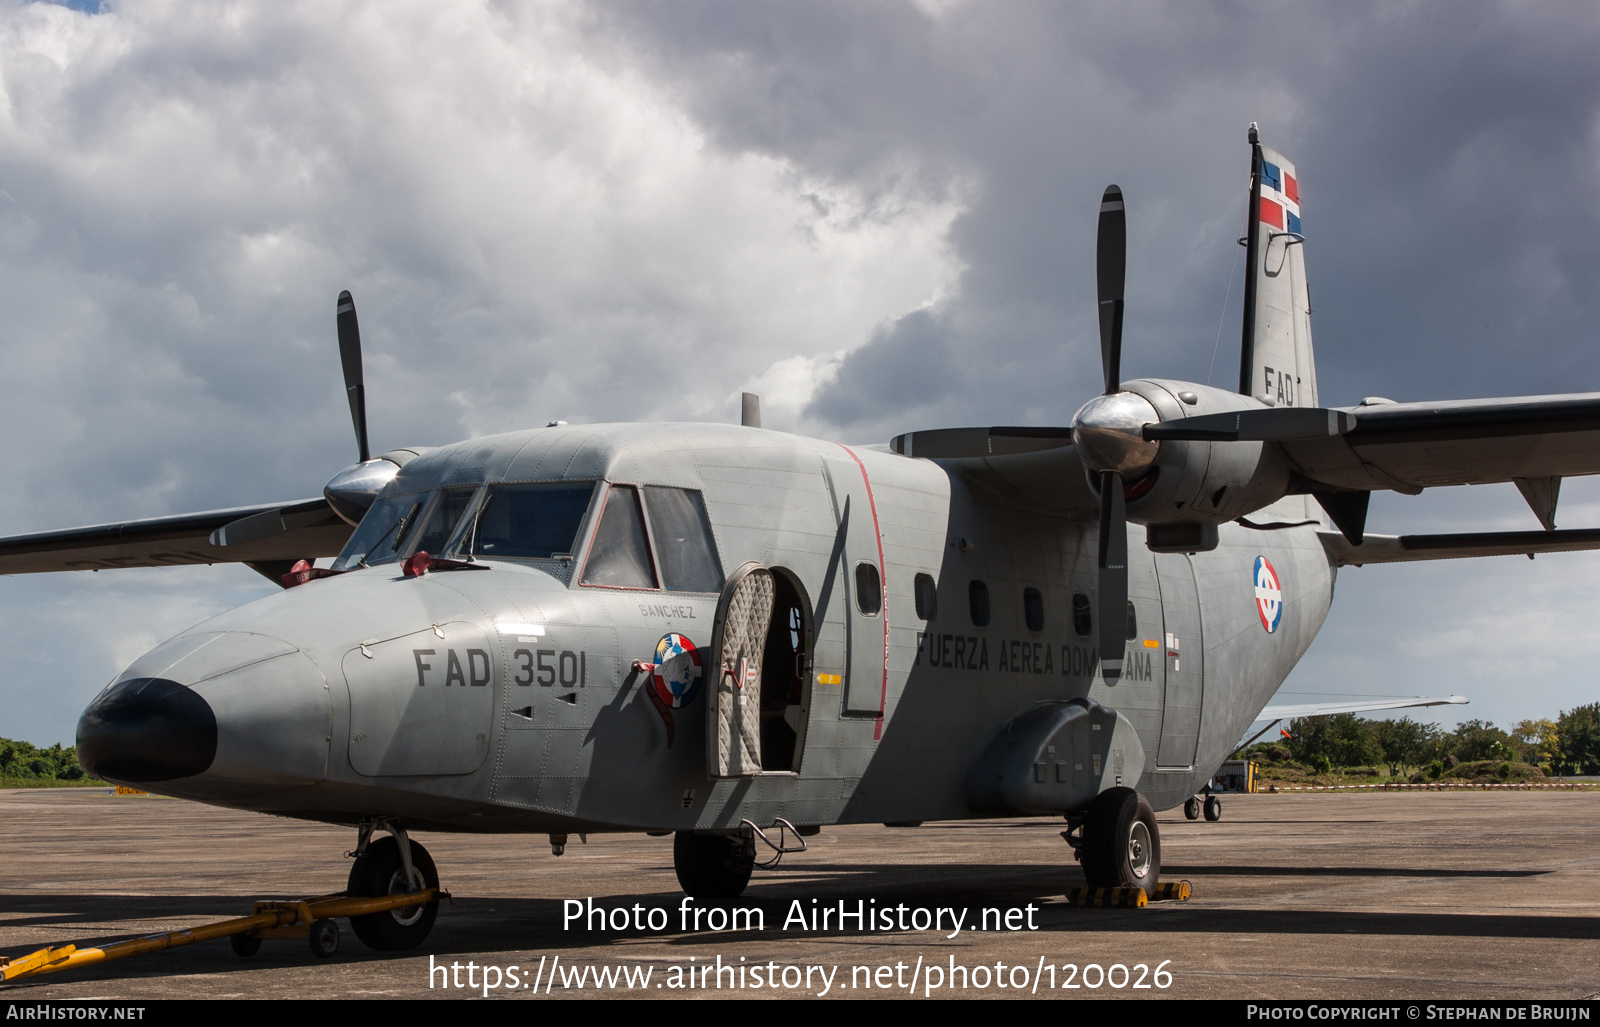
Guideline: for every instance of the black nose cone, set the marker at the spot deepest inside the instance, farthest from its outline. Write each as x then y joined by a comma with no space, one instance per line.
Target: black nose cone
147,729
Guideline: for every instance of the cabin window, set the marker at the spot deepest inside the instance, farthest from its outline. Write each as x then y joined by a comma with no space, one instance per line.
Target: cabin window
869,589
620,554
1082,620
1133,621
978,601
378,537
927,595
682,534
531,522
1033,609
441,520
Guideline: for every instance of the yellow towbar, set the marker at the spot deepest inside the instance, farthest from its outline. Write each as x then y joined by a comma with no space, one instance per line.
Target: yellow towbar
269,920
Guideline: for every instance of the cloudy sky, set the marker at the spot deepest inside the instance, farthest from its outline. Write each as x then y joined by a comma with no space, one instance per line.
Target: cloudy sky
880,216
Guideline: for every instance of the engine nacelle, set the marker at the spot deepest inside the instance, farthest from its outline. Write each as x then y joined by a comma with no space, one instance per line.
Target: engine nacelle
1203,482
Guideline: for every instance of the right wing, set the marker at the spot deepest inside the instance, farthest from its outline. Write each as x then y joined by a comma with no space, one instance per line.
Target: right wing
266,537
1411,446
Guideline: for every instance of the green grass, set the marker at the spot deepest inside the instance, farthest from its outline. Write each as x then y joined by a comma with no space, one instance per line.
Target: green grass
50,782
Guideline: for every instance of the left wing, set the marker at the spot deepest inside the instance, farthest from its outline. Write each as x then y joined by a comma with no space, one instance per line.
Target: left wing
1273,715
269,538
1277,713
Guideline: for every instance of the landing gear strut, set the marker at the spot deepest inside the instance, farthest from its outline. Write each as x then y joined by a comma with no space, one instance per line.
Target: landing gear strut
1121,846
382,867
714,866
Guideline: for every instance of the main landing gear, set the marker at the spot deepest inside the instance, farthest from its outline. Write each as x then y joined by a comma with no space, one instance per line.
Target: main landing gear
1117,842
714,866
718,866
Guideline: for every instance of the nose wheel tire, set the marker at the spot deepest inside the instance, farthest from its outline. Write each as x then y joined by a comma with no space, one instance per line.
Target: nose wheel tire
378,872
713,866
1213,808
1121,845
1191,809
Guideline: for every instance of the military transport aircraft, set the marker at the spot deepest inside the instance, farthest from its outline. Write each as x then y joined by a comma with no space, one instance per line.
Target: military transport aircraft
719,630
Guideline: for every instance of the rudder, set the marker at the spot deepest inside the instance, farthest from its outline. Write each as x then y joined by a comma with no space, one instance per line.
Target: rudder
1277,364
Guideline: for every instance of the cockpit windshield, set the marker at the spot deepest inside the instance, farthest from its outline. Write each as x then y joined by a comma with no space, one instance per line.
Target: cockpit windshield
530,522
439,523
382,532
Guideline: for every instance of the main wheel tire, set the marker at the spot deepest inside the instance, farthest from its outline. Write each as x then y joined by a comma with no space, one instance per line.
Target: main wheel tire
379,872
1213,808
1191,809
713,866
1121,845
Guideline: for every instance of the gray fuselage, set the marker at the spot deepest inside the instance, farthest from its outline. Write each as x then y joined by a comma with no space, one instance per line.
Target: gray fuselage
508,699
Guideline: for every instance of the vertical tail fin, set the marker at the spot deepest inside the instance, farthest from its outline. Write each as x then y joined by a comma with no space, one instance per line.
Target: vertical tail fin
1276,364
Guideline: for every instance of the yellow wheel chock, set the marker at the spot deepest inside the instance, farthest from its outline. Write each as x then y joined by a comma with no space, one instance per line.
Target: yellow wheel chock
267,920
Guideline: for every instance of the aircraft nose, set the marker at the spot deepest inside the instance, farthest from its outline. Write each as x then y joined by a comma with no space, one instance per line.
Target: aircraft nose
220,714
147,729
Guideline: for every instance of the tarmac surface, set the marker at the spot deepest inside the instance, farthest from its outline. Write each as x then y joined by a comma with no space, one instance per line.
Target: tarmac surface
1403,896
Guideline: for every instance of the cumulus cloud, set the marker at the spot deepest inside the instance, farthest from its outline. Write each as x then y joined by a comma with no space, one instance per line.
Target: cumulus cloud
531,228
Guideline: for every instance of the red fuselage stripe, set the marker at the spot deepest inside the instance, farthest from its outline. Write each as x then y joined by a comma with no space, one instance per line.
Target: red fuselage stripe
883,583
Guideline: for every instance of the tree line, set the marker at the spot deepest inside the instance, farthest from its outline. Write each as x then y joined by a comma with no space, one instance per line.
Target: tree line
1568,745
25,761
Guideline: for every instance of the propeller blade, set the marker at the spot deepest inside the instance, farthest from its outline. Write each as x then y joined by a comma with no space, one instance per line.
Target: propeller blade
1111,258
350,356
1113,577
1282,424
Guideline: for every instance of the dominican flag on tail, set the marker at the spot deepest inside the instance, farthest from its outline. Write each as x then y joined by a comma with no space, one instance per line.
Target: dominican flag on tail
1276,364
1280,197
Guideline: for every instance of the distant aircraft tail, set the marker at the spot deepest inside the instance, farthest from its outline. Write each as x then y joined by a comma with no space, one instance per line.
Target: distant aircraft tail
1276,364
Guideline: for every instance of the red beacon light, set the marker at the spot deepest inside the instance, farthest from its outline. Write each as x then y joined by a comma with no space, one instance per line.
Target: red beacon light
417,564
303,572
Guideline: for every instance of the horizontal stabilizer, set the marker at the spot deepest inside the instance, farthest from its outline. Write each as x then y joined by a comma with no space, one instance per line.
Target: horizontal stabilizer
1370,706
1410,548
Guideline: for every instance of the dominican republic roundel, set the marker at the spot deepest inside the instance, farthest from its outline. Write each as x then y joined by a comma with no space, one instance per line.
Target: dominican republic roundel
677,675
1269,595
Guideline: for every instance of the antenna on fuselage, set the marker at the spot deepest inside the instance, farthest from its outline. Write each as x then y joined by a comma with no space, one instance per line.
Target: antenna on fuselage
750,410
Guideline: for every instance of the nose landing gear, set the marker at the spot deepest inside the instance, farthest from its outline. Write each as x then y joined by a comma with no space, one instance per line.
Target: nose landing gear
394,865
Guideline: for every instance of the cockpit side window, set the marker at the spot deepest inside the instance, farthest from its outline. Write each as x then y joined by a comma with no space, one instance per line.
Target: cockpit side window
683,540
619,557
440,521
378,538
530,522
